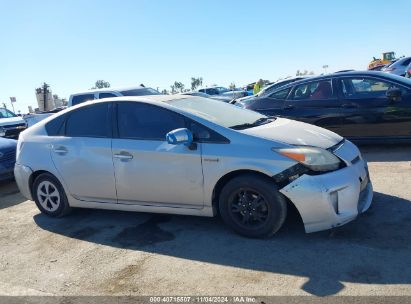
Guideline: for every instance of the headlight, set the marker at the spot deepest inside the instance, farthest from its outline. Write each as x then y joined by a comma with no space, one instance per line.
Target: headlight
2,132
316,159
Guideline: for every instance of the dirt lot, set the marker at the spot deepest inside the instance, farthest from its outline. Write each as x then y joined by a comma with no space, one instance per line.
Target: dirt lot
103,252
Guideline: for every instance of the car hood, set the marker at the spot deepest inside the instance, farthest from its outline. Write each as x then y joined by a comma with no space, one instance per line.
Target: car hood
10,121
295,133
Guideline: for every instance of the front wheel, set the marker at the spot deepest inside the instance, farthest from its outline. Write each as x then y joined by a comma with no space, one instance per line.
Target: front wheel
49,196
252,206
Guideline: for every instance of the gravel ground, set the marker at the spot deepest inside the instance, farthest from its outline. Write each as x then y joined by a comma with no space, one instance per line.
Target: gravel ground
96,252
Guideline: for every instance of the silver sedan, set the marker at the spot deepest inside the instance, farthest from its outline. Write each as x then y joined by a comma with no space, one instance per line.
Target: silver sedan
193,156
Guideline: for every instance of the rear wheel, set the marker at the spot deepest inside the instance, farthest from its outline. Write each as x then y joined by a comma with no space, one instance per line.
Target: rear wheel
252,206
49,196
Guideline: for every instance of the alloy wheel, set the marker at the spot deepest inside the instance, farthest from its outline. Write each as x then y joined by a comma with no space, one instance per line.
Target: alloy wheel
249,209
48,196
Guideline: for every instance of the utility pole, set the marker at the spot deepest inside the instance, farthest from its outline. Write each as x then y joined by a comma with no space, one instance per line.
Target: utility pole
45,93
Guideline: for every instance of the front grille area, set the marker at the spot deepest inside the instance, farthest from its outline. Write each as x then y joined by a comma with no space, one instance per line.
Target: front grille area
13,131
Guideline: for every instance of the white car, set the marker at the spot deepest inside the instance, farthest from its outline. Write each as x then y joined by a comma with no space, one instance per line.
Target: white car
193,156
10,124
92,94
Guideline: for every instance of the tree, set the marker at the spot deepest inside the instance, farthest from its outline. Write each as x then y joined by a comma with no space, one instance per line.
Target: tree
164,92
100,84
299,73
179,86
232,86
196,82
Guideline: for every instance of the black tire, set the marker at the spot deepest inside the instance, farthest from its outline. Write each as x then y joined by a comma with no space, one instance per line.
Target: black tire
48,204
265,212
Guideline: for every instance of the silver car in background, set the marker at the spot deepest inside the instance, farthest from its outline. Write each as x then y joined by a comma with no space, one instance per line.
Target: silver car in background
193,156
398,67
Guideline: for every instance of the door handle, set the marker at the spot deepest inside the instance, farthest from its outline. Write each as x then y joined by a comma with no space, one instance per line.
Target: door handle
288,107
60,150
349,106
123,156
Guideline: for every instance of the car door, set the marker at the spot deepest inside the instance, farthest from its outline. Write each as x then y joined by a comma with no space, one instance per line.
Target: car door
314,102
148,170
82,155
368,112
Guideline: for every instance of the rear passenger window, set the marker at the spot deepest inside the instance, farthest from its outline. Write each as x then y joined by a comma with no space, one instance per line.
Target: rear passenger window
81,98
55,127
91,121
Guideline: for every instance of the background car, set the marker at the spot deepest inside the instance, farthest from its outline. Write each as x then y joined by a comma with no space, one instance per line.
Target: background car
78,98
205,95
7,158
221,91
399,67
270,88
10,124
363,106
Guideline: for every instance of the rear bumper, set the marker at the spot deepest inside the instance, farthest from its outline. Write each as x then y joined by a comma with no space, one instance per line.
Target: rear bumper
332,199
22,175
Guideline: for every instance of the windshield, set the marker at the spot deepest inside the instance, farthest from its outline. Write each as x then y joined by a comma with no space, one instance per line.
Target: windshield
4,113
140,92
221,113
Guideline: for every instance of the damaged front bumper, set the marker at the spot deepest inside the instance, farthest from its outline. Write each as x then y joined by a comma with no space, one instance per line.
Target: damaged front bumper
332,199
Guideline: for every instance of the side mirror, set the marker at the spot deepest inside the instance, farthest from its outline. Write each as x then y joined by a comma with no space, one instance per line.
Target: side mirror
394,95
181,136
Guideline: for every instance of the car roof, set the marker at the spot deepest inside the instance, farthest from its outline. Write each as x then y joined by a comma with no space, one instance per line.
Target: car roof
379,74
115,89
154,99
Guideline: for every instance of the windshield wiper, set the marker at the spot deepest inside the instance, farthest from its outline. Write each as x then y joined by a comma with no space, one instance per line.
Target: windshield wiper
258,122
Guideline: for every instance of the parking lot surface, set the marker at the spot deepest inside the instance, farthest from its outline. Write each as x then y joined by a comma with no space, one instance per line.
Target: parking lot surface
97,252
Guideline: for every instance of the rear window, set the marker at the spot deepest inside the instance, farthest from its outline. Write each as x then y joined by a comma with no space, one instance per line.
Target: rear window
81,98
90,121
55,127
140,92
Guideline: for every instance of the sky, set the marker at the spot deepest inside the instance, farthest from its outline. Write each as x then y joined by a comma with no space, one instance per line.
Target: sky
70,44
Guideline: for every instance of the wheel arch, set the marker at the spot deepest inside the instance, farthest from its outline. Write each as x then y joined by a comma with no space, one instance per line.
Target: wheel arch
233,174
36,174
229,176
